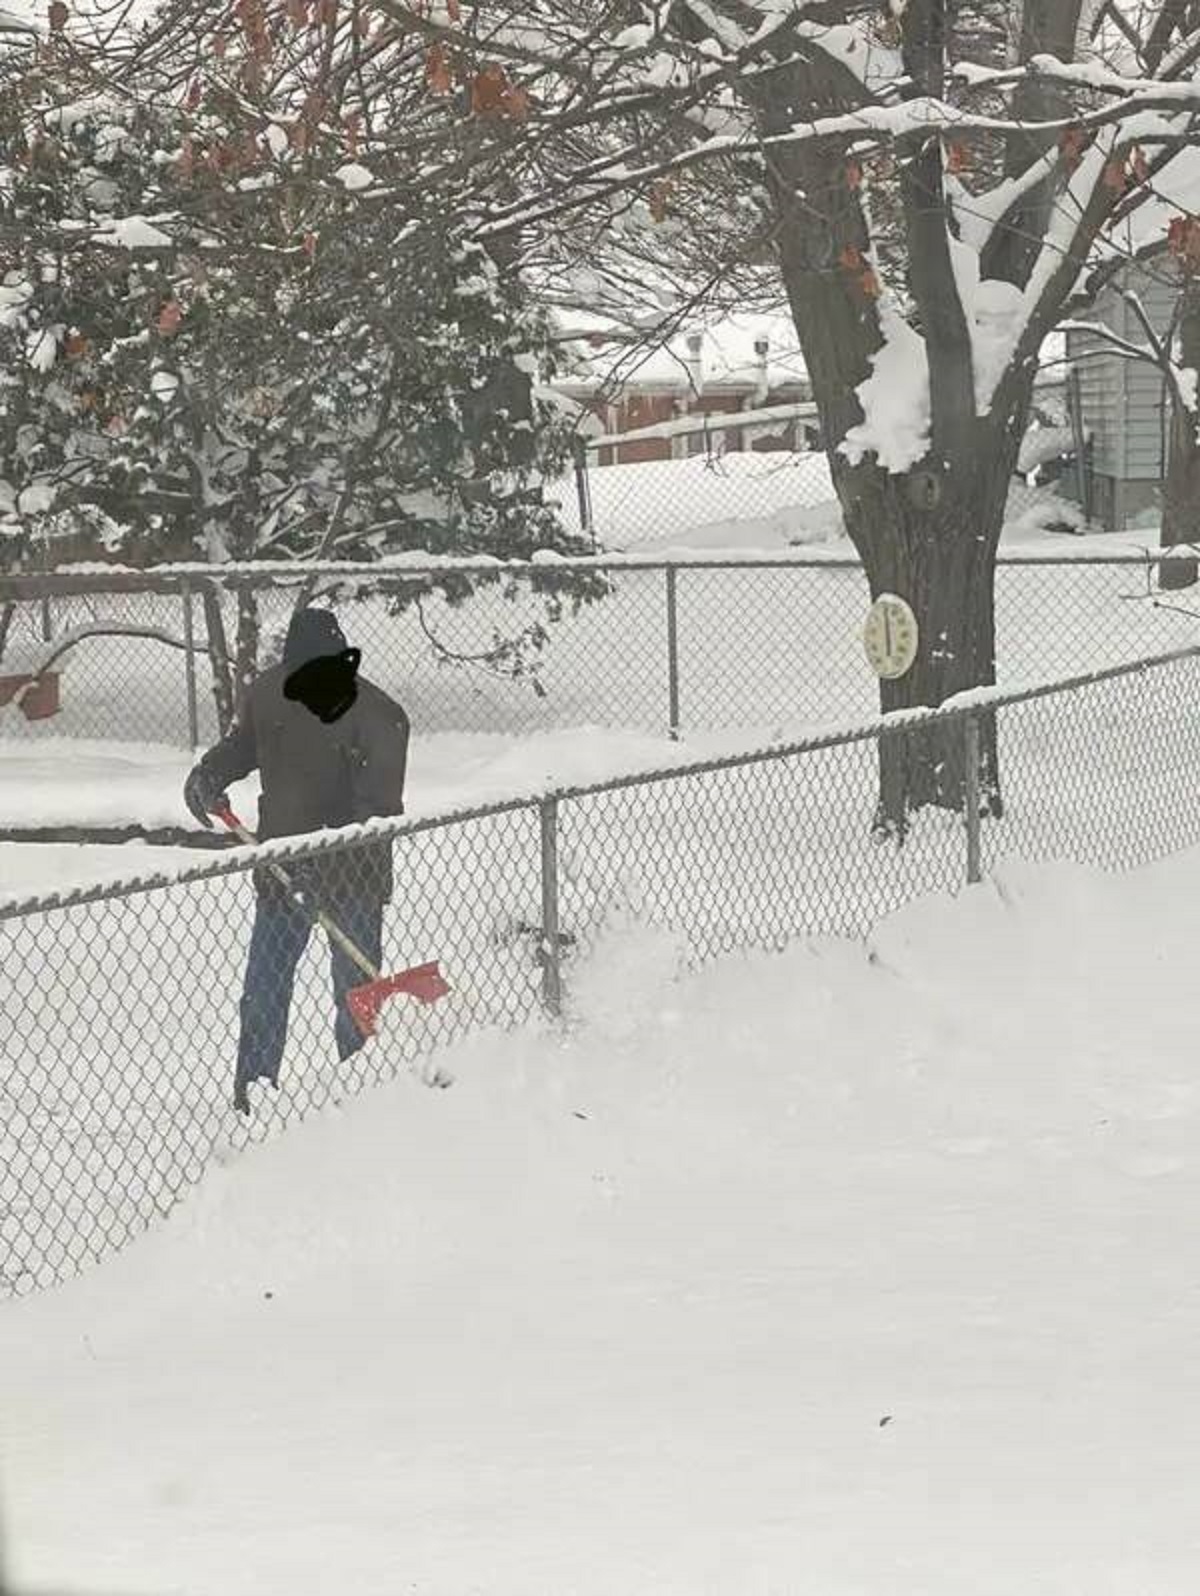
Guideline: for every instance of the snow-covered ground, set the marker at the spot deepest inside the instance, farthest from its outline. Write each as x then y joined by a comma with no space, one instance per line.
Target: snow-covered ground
30,868
49,784
765,502
860,1271
728,501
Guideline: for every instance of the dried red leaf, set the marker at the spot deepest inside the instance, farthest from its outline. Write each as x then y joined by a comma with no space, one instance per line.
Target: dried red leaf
489,91
851,258
58,15
437,70
75,346
1139,166
310,244
194,97
958,158
1114,177
1183,240
869,284
854,174
660,199
297,12
518,102
169,318
1072,142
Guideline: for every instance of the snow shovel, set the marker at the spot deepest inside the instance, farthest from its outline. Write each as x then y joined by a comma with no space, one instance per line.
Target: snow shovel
425,982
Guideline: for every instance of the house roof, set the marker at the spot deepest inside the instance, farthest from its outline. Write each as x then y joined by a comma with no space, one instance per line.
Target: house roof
606,355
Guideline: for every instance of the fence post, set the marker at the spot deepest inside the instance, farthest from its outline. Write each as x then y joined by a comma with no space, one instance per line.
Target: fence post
1083,467
672,657
189,640
583,490
972,798
551,945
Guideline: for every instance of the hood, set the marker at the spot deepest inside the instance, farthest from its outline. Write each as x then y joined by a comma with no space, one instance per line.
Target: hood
311,634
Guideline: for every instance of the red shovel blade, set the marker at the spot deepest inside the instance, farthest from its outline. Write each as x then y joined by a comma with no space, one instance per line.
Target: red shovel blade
425,982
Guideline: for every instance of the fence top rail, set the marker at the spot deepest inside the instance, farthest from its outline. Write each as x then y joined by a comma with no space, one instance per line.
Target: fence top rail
175,578
239,860
713,421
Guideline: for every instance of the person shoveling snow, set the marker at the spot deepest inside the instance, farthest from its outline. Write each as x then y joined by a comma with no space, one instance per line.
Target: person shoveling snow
330,750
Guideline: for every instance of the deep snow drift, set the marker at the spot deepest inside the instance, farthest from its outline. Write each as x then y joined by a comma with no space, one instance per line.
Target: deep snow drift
857,1270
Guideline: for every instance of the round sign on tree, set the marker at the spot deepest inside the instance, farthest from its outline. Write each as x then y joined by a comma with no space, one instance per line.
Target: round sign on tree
890,636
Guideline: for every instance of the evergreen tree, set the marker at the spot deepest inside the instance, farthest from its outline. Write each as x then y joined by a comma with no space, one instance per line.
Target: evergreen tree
189,371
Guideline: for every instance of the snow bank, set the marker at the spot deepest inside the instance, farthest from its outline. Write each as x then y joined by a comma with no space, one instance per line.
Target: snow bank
727,501
68,783
32,868
864,1269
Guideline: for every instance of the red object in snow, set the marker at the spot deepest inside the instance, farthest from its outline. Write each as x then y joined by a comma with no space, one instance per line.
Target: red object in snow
40,702
425,982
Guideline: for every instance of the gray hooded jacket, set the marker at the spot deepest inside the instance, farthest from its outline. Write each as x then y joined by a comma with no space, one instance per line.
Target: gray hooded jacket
316,774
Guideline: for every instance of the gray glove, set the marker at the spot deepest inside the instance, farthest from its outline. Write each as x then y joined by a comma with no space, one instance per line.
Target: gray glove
202,794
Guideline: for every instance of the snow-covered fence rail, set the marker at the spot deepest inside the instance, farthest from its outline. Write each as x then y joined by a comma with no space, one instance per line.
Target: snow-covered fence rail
119,1003
677,645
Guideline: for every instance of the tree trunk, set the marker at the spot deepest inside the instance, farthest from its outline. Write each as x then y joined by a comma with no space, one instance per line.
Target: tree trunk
930,537
1181,490
247,639
1181,501
7,614
218,653
930,534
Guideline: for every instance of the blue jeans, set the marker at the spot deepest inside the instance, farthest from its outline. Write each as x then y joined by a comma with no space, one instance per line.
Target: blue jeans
280,935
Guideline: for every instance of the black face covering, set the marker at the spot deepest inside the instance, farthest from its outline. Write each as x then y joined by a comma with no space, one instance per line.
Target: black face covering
326,685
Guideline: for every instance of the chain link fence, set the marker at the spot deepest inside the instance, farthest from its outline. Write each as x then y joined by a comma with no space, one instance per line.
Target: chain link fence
681,646
120,1004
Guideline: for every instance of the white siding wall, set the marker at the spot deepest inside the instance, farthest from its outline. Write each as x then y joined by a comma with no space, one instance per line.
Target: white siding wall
1145,397
1102,389
1123,399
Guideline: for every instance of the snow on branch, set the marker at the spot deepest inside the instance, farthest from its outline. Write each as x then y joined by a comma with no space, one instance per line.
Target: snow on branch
1084,76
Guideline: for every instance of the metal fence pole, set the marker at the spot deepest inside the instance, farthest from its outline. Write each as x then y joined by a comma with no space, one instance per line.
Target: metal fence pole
583,490
551,945
972,798
672,656
189,639
1083,469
